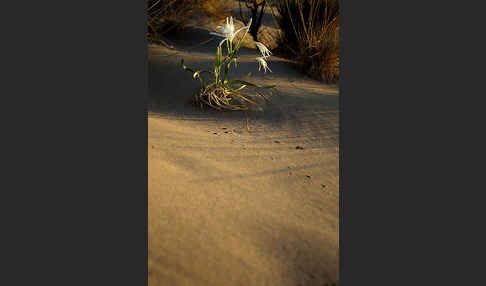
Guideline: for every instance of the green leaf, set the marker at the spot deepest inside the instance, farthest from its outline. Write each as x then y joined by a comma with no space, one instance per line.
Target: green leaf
270,86
185,67
242,97
238,45
242,82
197,74
241,87
250,84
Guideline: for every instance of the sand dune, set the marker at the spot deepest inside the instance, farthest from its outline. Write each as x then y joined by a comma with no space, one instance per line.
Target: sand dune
232,206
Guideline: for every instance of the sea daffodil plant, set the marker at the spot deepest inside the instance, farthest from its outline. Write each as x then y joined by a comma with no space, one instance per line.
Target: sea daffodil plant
217,90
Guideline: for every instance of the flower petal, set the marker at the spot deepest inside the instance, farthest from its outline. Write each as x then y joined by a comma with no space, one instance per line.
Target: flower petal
222,41
217,34
239,30
263,49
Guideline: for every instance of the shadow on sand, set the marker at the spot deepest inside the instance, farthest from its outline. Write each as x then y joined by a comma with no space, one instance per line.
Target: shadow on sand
298,104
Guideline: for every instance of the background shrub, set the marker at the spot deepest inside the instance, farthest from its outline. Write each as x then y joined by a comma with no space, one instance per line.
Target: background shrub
256,10
216,9
164,16
310,35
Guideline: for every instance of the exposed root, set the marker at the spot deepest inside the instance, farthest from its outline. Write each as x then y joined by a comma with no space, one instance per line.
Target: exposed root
222,98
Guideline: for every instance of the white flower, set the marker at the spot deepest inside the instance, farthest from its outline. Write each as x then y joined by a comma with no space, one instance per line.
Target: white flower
228,30
264,50
262,63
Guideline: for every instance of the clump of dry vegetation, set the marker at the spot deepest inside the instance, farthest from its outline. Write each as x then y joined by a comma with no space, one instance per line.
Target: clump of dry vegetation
164,16
216,9
310,35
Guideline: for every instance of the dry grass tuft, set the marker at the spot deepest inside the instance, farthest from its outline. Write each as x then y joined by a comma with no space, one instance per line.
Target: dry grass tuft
164,16
223,98
311,36
216,9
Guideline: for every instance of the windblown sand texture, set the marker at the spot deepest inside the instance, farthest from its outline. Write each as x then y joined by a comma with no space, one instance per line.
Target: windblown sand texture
231,204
